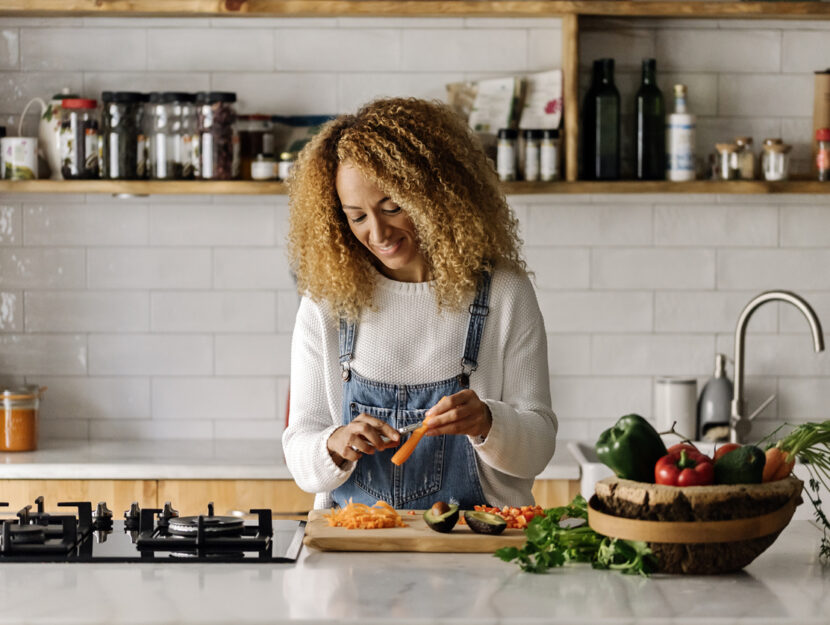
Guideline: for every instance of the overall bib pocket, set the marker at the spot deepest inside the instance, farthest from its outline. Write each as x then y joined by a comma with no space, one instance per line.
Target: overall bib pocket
373,473
422,473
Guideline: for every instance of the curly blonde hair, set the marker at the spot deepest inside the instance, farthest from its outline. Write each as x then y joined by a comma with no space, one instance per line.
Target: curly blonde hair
426,160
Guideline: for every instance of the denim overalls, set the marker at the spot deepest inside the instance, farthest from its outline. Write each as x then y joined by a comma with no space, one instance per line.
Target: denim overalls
442,468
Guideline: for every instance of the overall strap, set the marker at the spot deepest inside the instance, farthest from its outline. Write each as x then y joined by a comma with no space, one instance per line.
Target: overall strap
479,310
347,332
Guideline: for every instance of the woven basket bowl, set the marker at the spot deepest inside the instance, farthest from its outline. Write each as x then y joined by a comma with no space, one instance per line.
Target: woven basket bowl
696,529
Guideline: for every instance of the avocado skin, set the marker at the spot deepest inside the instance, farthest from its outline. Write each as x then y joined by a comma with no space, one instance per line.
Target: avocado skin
744,465
443,523
484,522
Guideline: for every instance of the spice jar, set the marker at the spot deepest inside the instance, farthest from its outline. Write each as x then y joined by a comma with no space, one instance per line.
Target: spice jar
745,158
775,161
170,121
287,160
20,416
727,164
256,136
533,139
549,155
823,154
78,137
122,138
264,167
506,154
218,140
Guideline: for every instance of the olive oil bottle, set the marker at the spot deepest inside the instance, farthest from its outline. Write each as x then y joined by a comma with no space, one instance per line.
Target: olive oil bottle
650,131
601,125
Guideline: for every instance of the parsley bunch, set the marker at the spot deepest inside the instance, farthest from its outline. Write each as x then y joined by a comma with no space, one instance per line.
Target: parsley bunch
563,535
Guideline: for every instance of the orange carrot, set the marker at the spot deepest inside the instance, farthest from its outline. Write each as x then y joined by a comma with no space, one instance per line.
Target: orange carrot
402,455
778,465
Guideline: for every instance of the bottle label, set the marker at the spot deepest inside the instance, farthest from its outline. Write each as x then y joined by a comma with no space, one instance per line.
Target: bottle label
506,162
207,155
548,161
115,171
532,161
680,151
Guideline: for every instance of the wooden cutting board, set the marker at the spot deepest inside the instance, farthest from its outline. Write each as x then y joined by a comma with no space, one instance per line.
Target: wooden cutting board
415,537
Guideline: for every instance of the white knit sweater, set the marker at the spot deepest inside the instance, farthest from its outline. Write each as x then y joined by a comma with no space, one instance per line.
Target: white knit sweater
407,340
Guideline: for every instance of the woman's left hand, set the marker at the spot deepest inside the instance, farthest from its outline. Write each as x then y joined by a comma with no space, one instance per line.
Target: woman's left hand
461,413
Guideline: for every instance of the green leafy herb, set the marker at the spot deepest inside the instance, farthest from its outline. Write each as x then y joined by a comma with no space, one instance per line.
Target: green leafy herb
562,535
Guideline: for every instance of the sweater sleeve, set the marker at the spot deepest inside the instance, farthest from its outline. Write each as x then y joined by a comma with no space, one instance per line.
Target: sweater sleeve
522,438
311,420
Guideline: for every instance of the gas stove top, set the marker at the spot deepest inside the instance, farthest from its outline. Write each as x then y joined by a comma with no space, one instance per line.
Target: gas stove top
85,534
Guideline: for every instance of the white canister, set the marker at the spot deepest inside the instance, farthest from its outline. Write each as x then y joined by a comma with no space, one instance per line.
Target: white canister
675,401
18,158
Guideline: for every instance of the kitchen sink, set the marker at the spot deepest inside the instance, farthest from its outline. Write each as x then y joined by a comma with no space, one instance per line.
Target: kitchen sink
591,471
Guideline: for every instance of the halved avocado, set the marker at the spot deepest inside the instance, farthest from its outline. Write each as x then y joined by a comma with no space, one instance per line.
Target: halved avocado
442,517
485,522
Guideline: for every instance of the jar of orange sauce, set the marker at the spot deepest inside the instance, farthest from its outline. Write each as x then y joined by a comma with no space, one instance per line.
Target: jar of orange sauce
19,418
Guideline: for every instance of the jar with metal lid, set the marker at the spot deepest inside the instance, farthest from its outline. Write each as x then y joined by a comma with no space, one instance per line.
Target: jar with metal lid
745,158
170,118
506,154
775,161
256,136
79,138
549,155
286,164
122,136
727,162
20,418
218,139
264,167
530,170
823,154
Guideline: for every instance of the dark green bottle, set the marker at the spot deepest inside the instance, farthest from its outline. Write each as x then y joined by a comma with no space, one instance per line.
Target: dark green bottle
601,125
650,131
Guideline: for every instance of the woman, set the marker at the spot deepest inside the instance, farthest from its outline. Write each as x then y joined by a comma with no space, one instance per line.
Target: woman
416,304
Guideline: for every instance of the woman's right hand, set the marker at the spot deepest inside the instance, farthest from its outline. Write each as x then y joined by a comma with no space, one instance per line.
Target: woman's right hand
361,436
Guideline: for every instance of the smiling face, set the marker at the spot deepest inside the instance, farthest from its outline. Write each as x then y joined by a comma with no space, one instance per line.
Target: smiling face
381,226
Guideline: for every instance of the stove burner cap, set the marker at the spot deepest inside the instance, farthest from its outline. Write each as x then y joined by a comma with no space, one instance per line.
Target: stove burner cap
214,525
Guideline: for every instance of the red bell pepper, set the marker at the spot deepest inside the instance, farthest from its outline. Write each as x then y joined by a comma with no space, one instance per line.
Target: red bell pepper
684,467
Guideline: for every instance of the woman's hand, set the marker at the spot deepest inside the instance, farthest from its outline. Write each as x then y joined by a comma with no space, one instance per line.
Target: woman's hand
361,436
461,413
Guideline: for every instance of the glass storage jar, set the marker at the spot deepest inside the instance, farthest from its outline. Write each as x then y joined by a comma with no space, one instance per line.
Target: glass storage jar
549,155
122,137
264,167
218,139
20,407
531,161
727,161
79,138
506,154
823,154
256,136
286,164
746,158
169,130
775,161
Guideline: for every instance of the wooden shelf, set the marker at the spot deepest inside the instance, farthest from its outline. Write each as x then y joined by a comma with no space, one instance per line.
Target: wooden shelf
240,187
145,187
414,8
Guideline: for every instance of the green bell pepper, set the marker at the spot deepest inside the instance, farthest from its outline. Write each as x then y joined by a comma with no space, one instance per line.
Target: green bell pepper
631,448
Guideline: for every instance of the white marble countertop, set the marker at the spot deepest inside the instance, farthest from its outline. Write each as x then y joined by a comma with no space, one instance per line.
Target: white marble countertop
181,460
785,585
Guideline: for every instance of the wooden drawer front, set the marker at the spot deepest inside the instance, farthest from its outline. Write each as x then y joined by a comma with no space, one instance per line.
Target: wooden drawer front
118,494
192,496
554,493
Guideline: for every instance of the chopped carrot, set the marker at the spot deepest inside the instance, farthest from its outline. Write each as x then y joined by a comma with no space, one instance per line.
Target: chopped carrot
402,455
361,516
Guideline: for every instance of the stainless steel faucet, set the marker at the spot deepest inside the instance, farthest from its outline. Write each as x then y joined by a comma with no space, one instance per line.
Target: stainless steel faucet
740,425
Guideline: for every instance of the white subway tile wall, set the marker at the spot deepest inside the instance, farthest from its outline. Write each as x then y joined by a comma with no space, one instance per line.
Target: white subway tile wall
171,317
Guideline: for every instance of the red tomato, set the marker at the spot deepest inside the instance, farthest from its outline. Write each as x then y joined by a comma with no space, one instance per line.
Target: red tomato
725,449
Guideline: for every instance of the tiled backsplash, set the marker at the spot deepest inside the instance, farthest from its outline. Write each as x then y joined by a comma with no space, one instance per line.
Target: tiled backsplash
171,317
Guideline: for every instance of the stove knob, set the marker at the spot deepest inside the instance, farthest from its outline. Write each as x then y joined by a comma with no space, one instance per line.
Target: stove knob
102,516
166,514
132,516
